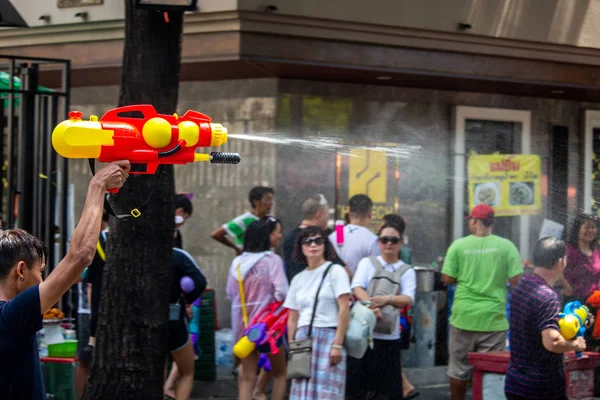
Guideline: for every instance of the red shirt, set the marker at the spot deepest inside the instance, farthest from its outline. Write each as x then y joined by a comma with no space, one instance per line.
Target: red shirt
582,272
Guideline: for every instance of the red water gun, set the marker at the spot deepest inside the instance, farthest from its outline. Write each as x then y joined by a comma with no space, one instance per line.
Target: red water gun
266,327
139,134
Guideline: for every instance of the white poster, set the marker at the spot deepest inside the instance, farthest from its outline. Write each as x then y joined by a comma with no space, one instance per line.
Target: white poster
551,228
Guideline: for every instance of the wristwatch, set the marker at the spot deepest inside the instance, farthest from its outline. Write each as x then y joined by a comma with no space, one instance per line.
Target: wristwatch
337,346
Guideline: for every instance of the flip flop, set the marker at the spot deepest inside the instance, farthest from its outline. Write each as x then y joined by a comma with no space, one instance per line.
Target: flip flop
413,393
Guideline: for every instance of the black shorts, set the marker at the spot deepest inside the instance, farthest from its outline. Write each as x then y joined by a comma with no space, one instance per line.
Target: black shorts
266,348
83,334
178,335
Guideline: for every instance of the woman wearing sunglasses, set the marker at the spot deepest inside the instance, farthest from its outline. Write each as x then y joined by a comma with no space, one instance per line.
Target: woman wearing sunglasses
377,372
330,322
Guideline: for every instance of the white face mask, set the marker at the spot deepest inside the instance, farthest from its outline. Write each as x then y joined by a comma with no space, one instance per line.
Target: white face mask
179,219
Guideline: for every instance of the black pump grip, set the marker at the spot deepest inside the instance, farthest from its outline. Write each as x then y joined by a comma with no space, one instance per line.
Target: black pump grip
225,158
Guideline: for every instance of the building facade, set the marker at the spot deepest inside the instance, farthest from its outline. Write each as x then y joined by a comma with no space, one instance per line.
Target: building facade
388,97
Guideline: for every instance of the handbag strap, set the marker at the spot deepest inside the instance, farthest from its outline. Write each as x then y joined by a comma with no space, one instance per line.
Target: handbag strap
312,319
242,296
376,263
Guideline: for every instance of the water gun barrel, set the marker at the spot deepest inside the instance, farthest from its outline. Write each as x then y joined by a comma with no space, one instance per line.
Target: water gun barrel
218,158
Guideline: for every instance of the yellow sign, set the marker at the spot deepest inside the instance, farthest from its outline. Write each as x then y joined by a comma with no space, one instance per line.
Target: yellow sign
508,183
368,174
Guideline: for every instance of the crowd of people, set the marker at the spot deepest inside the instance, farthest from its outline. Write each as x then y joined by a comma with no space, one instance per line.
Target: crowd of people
484,268
318,279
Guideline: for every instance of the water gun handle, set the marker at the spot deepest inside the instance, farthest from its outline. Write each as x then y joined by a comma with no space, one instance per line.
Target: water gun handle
263,362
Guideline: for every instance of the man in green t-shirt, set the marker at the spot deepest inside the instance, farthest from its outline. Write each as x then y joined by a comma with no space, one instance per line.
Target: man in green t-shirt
231,234
480,265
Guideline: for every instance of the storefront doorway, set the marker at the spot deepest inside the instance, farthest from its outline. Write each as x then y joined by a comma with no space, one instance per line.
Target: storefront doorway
591,179
487,131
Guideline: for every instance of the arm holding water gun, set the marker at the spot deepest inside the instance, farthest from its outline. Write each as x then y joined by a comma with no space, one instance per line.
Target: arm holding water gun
572,322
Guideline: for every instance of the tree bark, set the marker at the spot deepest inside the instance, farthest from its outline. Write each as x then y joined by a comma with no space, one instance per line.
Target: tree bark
130,353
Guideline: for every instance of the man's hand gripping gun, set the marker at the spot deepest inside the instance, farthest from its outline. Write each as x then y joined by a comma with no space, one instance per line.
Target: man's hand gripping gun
574,320
267,327
147,141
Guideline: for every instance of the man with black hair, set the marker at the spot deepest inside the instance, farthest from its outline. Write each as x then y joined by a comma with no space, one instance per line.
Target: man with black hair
24,297
183,210
359,241
231,234
536,367
480,265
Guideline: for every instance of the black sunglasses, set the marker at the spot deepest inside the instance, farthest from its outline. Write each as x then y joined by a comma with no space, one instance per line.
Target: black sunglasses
308,241
389,239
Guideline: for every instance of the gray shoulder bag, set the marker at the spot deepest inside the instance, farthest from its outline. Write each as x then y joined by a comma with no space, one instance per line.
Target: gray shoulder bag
300,351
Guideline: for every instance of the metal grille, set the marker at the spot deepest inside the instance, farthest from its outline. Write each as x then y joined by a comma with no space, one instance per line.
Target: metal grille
35,180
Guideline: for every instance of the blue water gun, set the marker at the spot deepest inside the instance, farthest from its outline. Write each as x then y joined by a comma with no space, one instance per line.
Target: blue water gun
573,321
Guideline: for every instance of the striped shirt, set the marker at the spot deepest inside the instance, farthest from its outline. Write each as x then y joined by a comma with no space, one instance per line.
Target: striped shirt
236,228
533,371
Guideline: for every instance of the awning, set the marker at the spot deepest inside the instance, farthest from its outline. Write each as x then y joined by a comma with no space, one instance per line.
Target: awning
9,16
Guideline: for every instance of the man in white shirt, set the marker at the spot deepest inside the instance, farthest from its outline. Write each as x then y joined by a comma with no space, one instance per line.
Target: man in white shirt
359,241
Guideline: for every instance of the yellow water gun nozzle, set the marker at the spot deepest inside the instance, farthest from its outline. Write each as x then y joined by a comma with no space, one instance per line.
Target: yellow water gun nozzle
219,135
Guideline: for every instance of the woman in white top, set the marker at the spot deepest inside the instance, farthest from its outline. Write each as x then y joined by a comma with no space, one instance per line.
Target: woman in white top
328,373
377,372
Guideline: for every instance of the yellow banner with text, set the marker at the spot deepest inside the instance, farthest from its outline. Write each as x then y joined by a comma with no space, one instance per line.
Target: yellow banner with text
511,184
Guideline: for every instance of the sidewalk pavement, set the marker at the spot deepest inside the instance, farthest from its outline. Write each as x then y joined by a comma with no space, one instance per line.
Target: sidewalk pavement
431,383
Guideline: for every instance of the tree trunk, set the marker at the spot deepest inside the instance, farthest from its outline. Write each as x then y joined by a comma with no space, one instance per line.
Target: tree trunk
131,349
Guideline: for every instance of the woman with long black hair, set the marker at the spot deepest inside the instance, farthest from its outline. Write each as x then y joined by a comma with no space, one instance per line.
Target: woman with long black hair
264,281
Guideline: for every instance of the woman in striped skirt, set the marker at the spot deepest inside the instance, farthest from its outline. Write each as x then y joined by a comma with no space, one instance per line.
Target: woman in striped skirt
330,322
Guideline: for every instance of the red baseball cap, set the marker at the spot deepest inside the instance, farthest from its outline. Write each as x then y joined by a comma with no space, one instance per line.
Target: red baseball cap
481,211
